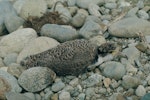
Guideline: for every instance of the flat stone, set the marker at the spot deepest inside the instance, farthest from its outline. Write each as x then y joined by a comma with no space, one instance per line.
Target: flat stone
92,80
130,82
16,96
38,78
36,46
10,58
128,27
11,80
15,42
90,29
61,33
140,91
64,95
30,8
58,86
113,69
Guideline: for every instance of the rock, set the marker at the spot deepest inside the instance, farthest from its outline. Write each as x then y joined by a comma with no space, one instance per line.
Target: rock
64,95
1,62
94,10
110,5
86,3
11,80
142,14
97,40
92,80
2,27
13,22
10,58
140,4
132,54
128,27
38,97
140,91
147,38
61,33
123,4
90,92
130,82
15,42
74,82
90,29
38,78
18,5
36,46
30,8
113,70
81,96
4,68
48,95
15,69
73,10
117,96
132,12
71,55
146,96
58,86
16,96
30,95
79,19
107,82
54,96
71,2
4,88
50,3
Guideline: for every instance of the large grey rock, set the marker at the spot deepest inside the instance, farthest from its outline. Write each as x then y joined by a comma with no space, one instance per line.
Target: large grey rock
11,80
15,42
16,96
90,29
113,69
86,3
61,33
129,27
13,22
33,8
130,82
38,78
36,46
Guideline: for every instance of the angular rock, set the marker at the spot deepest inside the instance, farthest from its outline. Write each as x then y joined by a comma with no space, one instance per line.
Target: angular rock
130,82
11,80
61,33
16,96
97,40
30,8
36,46
13,22
129,27
10,58
92,80
15,42
86,3
113,69
38,78
58,86
69,58
90,29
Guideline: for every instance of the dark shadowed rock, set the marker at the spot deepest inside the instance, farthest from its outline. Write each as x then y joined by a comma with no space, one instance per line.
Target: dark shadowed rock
69,58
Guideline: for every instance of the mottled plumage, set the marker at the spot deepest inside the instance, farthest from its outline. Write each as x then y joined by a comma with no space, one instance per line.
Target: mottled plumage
69,58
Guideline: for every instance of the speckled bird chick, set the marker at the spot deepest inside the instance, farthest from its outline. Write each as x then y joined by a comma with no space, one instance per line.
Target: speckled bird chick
69,58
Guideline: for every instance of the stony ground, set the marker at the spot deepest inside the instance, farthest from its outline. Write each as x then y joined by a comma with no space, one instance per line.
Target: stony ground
29,27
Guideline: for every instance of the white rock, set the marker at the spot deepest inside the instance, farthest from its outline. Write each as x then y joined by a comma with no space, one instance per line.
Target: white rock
37,45
33,8
15,41
94,10
64,95
140,91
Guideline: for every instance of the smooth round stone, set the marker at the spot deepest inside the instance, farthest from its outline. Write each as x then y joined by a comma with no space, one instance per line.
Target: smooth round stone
146,96
61,33
54,96
15,41
113,69
36,46
10,58
74,82
128,27
97,40
81,96
140,91
110,5
50,3
58,86
130,82
30,95
90,92
132,12
13,22
142,14
117,96
16,96
71,2
38,78
37,97
48,95
30,8
89,29
64,95
92,80
11,80
140,4
94,10
18,5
